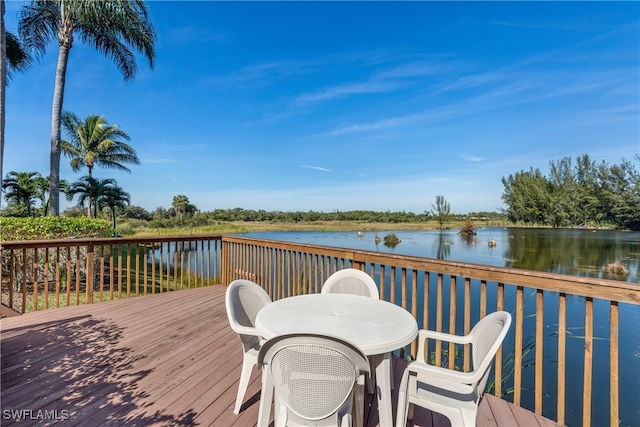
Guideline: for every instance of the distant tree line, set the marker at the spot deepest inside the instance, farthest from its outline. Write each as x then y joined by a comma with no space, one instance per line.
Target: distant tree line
576,194
187,212
182,212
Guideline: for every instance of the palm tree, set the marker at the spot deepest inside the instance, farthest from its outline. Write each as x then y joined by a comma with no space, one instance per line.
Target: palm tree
90,189
13,58
42,187
21,188
113,27
93,142
18,60
180,204
114,197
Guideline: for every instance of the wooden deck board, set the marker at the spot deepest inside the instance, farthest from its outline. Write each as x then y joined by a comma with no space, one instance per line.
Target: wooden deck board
163,359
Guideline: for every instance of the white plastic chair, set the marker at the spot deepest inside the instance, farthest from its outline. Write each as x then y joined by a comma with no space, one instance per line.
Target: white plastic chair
452,393
243,300
314,378
355,282
351,281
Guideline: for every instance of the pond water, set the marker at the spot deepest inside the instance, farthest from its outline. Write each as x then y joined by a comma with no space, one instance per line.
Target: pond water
578,252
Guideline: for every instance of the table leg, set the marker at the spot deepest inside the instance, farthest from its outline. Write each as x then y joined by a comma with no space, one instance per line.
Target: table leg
383,381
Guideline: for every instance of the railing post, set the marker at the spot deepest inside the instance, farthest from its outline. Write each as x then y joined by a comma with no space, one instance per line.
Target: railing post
224,262
90,278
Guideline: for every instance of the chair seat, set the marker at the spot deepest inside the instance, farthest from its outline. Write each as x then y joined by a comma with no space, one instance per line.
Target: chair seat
446,393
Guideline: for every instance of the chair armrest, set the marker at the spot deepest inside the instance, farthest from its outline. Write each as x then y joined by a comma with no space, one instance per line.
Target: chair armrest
424,334
458,339
428,372
245,330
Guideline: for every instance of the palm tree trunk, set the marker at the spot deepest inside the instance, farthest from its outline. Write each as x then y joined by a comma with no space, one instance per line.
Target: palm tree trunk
65,40
89,199
113,215
3,83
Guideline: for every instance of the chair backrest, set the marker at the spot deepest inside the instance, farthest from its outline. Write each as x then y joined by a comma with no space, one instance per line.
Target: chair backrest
313,375
487,336
351,281
243,300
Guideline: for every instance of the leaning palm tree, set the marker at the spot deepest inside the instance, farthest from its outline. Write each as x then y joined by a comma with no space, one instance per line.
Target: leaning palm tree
113,27
114,197
89,189
21,188
93,142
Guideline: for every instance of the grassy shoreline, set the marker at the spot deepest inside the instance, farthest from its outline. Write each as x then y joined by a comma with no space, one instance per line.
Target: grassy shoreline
347,226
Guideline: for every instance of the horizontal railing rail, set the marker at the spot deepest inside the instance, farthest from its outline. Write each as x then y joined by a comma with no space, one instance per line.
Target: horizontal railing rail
564,339
563,354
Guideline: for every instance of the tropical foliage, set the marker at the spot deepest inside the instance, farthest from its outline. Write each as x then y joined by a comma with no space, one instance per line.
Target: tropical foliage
18,59
90,190
93,142
182,206
575,194
22,189
114,197
115,28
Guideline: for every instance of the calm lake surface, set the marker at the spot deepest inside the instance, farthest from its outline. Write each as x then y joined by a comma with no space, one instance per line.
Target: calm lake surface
576,252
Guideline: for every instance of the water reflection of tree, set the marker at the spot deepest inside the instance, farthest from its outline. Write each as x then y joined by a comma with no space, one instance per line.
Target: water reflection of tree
443,251
578,254
469,239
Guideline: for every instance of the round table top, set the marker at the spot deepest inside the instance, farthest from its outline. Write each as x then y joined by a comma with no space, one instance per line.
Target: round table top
375,326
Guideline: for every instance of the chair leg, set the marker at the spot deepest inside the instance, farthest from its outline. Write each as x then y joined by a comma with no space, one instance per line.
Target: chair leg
371,376
403,402
358,403
266,398
245,375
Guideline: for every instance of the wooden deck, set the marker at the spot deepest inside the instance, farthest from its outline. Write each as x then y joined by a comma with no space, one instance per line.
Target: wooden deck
164,359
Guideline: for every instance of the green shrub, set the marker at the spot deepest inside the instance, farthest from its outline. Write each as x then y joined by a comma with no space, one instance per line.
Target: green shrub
52,227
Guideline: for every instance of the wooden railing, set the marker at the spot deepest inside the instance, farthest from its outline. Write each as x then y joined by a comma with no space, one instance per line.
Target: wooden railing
553,342
41,274
563,354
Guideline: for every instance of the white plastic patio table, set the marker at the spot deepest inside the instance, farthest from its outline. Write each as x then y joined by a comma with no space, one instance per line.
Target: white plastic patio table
376,326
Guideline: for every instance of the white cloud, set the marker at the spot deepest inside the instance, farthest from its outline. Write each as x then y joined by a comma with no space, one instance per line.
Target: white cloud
318,168
472,158
341,91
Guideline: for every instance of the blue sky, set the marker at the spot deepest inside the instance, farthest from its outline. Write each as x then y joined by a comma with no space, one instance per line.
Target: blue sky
349,105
